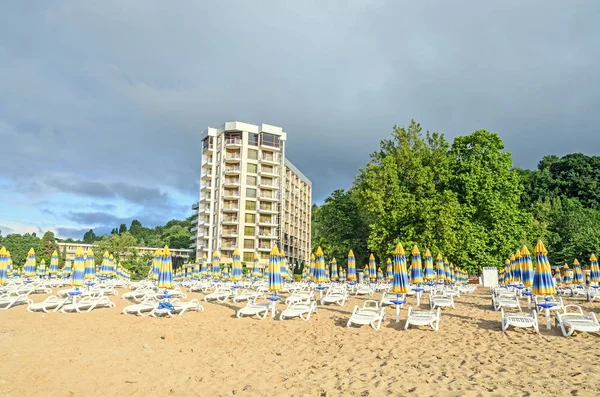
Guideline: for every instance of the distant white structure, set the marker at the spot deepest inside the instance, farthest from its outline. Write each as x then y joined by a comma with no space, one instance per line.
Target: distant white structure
489,276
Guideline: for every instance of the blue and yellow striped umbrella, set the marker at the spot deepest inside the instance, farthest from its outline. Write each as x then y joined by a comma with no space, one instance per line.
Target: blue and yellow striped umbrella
342,274
156,264
507,272
319,276
379,276
9,265
447,277
577,273
113,266
334,270
594,269
204,267
216,267
196,271
285,272
3,266
452,275
372,268
501,277
517,268
567,275
400,279
588,282
53,268
351,267
526,267
225,272
428,272
275,281
90,266
78,272
236,266
41,269
66,270
557,278
165,277
256,267
542,276
439,266
416,274
30,262
311,273
389,273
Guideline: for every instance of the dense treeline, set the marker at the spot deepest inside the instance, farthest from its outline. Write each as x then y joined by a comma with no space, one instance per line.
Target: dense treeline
464,200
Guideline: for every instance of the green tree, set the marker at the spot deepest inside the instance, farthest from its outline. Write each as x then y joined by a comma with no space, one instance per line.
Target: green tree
48,246
90,237
122,228
339,227
19,245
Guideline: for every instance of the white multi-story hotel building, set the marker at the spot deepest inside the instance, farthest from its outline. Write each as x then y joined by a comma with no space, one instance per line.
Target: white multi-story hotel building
251,196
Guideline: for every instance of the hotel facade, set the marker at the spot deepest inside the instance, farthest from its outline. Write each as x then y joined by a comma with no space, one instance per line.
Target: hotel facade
251,196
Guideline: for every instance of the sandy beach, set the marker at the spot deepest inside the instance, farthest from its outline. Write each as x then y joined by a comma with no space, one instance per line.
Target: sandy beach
105,353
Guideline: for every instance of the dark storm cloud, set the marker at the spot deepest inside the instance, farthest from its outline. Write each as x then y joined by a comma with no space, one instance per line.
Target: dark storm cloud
111,91
71,232
93,218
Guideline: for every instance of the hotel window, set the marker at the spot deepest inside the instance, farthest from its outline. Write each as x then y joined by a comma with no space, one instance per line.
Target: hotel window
248,256
250,218
270,140
248,244
252,154
252,139
248,230
250,205
250,180
251,168
250,192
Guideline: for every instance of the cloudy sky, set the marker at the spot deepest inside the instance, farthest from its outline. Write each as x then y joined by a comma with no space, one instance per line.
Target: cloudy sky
102,102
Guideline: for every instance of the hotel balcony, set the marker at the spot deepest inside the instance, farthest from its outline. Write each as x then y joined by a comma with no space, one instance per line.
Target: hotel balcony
267,223
206,175
231,170
233,142
272,173
206,187
229,233
232,158
205,198
271,210
208,163
229,194
230,208
268,185
195,206
231,182
230,221
264,248
195,228
270,160
264,196
194,221
267,236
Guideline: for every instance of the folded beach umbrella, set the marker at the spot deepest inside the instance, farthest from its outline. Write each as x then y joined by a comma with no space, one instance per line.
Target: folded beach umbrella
203,267
342,274
319,275
557,278
389,272
196,271
90,266
542,276
517,267
567,275
447,275
501,277
334,270
112,266
29,268
416,274
312,267
225,272
78,272
275,281
285,271
9,265
366,275
526,267
351,267
41,269
53,268
428,272
400,279
379,276
156,263
372,268
256,266
507,272
588,281
216,267
236,266
439,265
3,266
594,269
577,273
165,277
66,270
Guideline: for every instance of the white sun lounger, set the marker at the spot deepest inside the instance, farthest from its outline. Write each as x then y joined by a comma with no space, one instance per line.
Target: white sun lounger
441,301
570,321
422,318
140,308
335,295
252,308
178,308
299,309
245,295
507,301
364,289
52,302
520,320
370,314
87,304
9,300
221,295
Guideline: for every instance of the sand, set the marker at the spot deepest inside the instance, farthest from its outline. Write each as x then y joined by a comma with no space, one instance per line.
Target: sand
105,353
